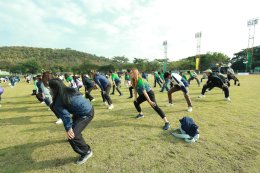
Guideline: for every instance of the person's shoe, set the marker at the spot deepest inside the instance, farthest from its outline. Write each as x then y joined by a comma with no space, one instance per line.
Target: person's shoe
238,84
92,100
42,102
112,93
110,106
105,103
130,97
201,96
121,95
169,104
161,91
83,159
59,121
228,99
166,126
189,109
139,116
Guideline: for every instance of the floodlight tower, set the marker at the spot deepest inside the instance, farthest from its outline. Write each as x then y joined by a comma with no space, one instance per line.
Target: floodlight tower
250,47
198,38
165,55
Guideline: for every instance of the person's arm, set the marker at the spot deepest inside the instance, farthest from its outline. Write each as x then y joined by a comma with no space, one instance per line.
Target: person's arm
64,114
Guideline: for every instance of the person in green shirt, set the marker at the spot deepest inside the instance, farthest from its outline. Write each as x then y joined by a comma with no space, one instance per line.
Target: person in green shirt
116,83
193,75
145,93
157,79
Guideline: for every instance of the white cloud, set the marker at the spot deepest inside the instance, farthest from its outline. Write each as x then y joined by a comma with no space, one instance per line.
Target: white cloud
134,28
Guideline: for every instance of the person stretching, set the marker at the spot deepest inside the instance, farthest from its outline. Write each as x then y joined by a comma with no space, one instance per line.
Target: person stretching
145,93
179,83
214,81
67,101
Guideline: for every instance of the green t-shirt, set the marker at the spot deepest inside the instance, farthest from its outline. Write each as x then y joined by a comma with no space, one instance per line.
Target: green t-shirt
127,77
184,77
114,77
142,85
162,76
69,79
156,75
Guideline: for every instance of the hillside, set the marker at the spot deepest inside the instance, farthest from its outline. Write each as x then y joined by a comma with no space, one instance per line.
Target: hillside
48,58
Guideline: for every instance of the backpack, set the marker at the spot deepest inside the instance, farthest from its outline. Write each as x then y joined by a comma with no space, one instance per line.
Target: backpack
189,130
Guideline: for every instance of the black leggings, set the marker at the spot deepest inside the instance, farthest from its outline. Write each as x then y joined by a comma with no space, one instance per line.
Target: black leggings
142,98
116,87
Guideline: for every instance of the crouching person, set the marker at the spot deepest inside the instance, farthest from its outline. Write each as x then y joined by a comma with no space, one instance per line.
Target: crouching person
67,101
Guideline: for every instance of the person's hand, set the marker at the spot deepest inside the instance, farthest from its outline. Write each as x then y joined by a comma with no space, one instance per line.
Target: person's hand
153,104
70,134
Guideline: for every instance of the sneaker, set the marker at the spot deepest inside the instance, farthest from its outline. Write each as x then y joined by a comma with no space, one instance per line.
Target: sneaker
105,103
228,99
238,84
189,109
112,93
92,100
42,102
110,107
83,159
121,95
139,116
169,104
201,96
166,126
130,97
59,121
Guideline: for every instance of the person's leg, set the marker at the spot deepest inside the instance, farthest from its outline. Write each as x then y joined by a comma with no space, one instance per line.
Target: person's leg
226,91
189,80
154,82
78,143
163,87
131,91
88,95
140,99
166,85
107,97
172,90
198,81
156,108
117,87
103,97
113,91
205,87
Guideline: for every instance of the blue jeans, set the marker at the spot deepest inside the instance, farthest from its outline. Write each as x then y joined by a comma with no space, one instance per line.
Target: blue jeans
165,85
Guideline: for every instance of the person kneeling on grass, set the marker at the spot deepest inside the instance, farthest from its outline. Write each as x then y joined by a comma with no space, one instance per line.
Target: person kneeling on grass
68,101
214,81
145,93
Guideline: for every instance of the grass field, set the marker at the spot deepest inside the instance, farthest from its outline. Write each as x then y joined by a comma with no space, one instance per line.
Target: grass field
229,134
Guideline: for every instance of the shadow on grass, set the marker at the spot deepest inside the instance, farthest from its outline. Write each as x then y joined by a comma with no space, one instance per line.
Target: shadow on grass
24,109
20,121
118,123
19,158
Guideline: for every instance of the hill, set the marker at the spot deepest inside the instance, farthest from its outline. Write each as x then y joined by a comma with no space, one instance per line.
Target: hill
14,58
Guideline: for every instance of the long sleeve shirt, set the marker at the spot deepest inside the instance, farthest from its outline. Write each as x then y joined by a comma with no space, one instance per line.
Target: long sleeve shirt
79,107
101,81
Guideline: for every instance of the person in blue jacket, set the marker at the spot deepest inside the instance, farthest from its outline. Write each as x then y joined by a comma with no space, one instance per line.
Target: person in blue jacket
89,86
67,101
105,86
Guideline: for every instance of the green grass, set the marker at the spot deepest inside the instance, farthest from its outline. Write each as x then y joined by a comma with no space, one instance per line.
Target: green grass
229,134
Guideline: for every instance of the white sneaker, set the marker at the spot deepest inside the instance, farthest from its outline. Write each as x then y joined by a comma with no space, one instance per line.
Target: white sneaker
201,96
92,100
105,103
169,104
83,159
110,107
42,102
228,99
59,121
189,109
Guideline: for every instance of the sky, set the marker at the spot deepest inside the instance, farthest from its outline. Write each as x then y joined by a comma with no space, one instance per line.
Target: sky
130,28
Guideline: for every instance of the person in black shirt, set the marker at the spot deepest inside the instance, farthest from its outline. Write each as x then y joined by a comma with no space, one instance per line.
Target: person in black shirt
214,81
